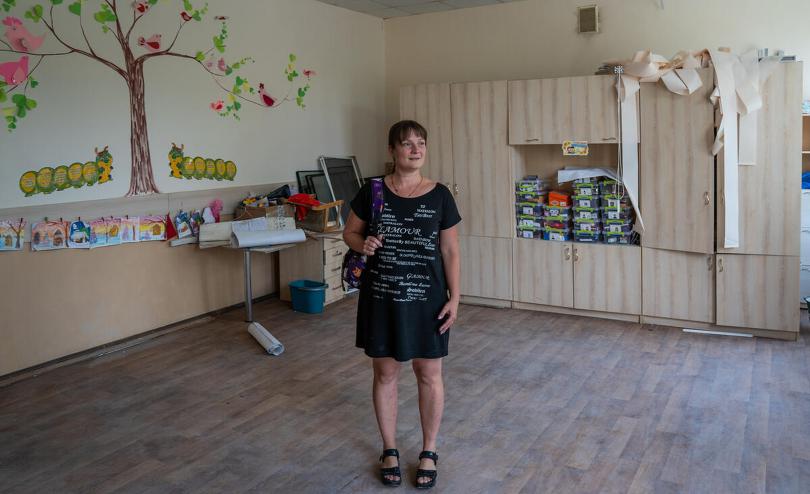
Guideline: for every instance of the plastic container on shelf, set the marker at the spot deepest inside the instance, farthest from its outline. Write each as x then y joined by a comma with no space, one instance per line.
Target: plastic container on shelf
549,210
586,236
614,201
586,190
556,223
611,187
621,238
530,183
587,213
529,232
529,221
536,197
618,226
529,208
586,201
587,225
587,180
557,198
557,234
617,213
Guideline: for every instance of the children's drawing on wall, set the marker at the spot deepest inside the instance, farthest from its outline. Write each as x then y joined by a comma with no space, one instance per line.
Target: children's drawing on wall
187,167
49,235
62,177
12,234
152,228
79,235
121,21
129,229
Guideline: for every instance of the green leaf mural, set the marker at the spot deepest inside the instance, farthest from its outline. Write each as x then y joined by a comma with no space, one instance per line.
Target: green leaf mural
138,46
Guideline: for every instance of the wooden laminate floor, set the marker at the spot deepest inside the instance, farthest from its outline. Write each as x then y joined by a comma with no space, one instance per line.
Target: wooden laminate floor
535,403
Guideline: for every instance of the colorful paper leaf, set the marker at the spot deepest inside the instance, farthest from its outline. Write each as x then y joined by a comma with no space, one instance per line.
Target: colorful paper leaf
75,8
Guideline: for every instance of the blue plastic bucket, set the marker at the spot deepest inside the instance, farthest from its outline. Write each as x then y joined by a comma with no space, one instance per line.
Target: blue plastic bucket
308,296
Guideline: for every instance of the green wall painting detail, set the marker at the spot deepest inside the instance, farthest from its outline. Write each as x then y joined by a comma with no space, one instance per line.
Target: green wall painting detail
17,81
182,166
77,175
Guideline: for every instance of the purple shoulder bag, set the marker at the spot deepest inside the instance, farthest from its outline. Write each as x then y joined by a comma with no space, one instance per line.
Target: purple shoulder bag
354,263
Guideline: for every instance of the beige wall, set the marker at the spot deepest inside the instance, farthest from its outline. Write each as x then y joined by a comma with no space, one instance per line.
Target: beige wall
58,303
537,38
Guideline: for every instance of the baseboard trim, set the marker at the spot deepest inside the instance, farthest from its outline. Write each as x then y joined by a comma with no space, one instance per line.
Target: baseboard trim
762,333
119,345
576,312
486,302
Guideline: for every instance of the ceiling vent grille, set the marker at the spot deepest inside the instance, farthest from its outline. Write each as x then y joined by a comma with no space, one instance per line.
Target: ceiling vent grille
588,19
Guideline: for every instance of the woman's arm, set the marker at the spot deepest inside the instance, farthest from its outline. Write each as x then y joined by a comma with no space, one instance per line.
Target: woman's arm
452,271
353,235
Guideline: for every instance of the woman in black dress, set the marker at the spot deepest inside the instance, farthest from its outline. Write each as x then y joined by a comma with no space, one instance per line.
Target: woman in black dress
410,291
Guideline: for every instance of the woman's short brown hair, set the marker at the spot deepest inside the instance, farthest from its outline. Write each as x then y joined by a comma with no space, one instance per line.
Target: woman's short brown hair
402,129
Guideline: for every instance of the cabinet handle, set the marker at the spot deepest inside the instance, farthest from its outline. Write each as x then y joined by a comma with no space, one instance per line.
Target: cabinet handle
720,265
709,262
706,198
337,253
336,269
576,254
568,253
608,138
534,139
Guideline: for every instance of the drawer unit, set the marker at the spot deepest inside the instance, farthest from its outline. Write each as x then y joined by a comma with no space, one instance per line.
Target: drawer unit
317,259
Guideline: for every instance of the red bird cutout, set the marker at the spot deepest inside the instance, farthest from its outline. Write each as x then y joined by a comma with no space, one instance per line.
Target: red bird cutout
152,44
19,37
185,16
266,98
140,6
15,72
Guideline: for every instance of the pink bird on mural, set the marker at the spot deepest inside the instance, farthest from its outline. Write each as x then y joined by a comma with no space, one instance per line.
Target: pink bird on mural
152,44
19,37
222,66
309,73
15,72
185,16
218,105
140,6
266,98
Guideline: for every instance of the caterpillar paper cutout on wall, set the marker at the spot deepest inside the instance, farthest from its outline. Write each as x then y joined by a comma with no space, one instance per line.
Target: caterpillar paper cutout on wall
62,177
187,167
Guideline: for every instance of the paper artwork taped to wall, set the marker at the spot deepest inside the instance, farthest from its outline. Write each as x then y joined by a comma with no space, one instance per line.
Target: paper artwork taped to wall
130,228
77,175
181,166
79,235
114,231
98,233
12,234
575,148
49,235
152,228
17,82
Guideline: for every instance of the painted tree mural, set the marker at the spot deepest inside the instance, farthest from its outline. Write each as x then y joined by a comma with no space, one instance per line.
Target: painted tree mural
17,81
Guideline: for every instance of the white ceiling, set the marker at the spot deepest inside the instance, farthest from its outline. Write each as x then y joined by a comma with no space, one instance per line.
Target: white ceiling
399,8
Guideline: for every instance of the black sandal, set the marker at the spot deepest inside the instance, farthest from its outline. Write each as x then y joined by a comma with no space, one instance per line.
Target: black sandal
431,474
392,472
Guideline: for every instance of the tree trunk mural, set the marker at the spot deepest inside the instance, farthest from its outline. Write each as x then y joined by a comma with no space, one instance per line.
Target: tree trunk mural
141,180
16,79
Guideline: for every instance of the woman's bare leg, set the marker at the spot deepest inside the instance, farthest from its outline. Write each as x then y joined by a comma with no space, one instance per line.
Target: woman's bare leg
386,378
431,405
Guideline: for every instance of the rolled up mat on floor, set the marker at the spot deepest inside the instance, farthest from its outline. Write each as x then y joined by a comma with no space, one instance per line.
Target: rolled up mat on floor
270,344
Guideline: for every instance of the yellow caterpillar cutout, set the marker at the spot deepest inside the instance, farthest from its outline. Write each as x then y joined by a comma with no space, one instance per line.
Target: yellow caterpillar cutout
76,175
187,167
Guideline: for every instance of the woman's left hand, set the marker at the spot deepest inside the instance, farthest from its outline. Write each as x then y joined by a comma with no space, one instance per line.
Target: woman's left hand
450,310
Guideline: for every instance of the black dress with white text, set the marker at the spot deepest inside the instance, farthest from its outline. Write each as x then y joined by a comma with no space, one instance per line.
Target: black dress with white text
404,286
